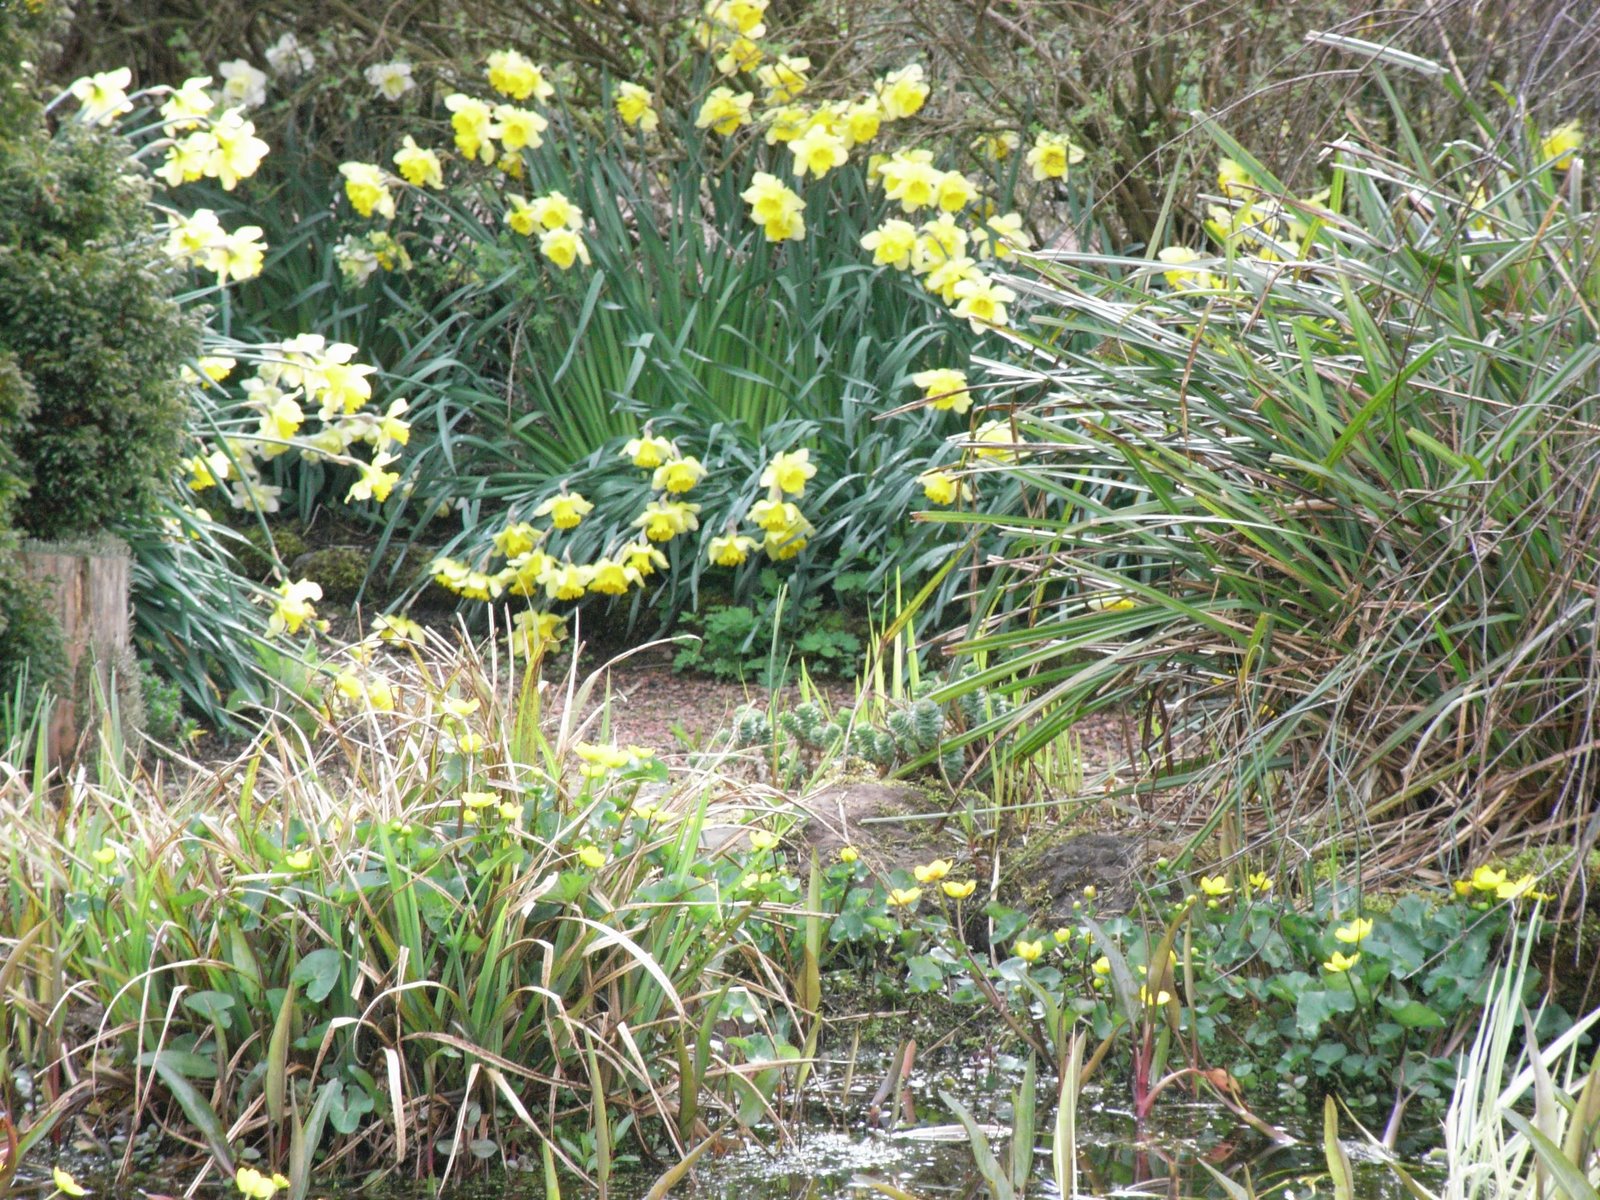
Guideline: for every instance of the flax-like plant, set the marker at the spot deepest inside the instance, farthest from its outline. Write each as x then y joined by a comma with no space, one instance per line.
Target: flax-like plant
1322,503
441,927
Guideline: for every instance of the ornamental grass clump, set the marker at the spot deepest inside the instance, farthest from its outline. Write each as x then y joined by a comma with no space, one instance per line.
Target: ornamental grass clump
1321,497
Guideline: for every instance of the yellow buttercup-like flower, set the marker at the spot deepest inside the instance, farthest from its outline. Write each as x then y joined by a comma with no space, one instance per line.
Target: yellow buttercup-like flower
1260,881
959,891
1157,999
1216,885
1029,951
1339,963
1101,965
592,857
933,872
903,897
789,471
66,1184
1487,879
761,839
1354,933
848,854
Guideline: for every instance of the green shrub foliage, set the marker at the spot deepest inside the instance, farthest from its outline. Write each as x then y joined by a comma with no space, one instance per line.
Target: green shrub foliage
87,311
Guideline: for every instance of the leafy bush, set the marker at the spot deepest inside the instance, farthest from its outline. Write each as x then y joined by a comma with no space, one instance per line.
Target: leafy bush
87,309
1319,495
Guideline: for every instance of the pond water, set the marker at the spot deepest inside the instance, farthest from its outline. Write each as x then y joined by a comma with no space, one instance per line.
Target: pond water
831,1147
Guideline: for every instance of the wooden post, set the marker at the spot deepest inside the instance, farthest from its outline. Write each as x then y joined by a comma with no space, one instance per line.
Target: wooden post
87,585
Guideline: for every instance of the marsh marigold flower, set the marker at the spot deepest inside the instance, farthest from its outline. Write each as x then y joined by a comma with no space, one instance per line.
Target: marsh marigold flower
903,897
933,872
1339,963
958,891
65,1183
848,854
1029,951
1354,933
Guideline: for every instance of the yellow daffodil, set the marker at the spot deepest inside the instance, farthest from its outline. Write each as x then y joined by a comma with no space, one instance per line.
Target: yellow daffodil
739,55
1354,933
959,891
473,123
910,180
784,78
390,80
1051,155
101,100
566,510
944,388
861,122
903,897
512,74
1001,237
678,476
1233,181
293,608
982,303
186,105
373,483
563,247
1560,145
611,577
516,538
816,152
418,167
994,441
236,150
520,128
954,192
565,581
649,452
1181,277
730,550
789,471
941,487
773,204
636,107
902,93
892,244
533,632
723,111
643,558
933,872
367,189
663,520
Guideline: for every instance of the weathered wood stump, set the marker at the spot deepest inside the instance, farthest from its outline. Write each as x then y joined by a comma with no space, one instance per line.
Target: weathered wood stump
88,589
